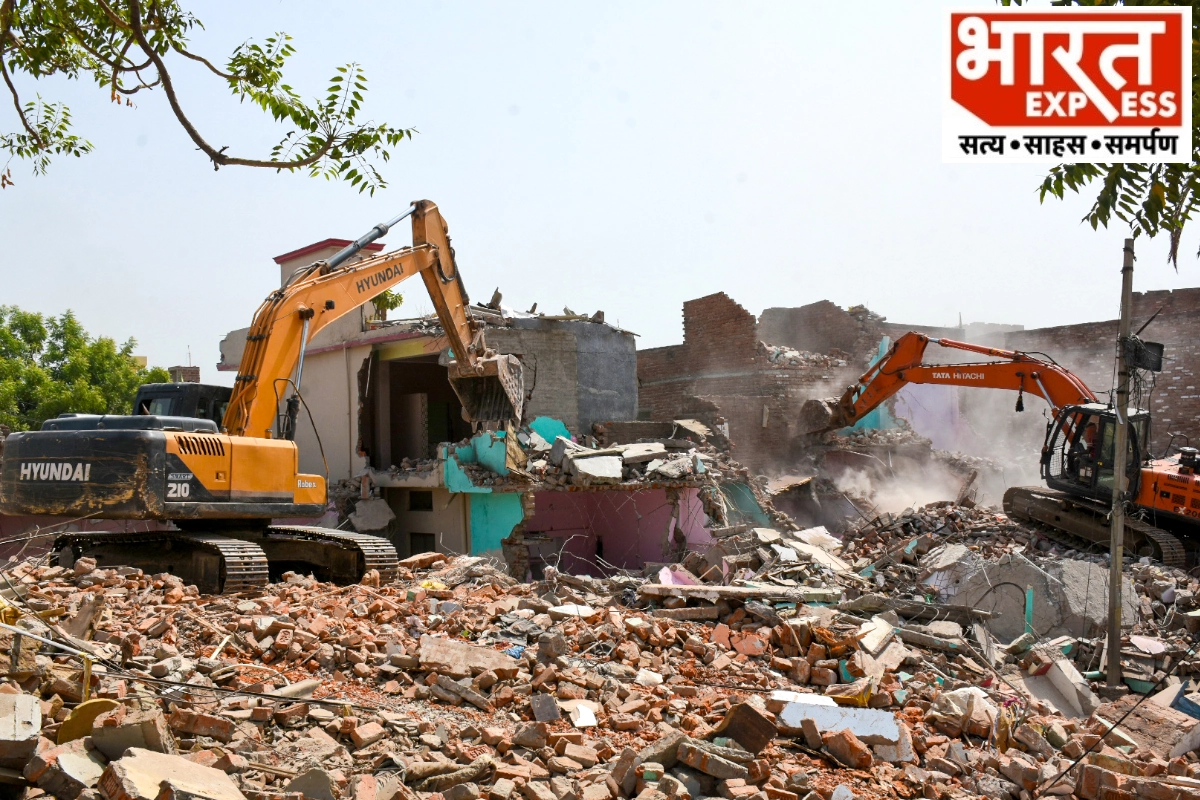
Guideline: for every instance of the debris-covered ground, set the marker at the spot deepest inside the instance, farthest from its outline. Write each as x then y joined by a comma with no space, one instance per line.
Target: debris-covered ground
780,664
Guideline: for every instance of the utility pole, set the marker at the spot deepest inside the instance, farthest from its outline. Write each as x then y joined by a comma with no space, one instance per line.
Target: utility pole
1120,484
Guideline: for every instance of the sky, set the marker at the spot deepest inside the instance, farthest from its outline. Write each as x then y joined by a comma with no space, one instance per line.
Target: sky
616,156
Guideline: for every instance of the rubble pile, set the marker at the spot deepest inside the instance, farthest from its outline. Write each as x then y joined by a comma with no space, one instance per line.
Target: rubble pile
783,356
778,665
876,437
905,536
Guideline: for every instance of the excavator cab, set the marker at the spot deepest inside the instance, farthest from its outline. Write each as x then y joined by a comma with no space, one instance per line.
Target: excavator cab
1078,454
196,400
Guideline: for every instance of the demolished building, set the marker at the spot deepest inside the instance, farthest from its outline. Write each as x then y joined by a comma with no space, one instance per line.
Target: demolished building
386,422
751,376
379,395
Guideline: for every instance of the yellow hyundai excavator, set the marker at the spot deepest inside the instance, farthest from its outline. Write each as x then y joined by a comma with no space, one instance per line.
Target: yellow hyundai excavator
222,485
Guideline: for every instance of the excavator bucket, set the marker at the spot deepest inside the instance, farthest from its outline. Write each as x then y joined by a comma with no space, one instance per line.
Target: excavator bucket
821,415
493,395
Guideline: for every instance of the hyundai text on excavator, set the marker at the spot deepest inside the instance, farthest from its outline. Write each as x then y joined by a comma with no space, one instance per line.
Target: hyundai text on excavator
1077,455
222,485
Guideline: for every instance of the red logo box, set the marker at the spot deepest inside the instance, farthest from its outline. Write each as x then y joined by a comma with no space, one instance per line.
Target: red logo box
1069,84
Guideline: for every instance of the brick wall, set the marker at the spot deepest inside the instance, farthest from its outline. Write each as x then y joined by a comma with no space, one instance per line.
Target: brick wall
718,366
1088,350
817,327
718,372
184,374
719,335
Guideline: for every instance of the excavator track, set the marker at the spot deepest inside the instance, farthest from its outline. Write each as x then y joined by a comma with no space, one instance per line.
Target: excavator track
1074,521
375,552
216,564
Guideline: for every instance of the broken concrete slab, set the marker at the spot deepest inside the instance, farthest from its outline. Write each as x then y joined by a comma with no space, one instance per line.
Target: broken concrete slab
462,660
1069,597
145,774
79,623
596,470
876,634
779,698
868,724
641,453
766,593
314,784
1165,731
709,763
672,469
561,448
1074,687
821,556
372,514
902,752
20,724
118,730
819,537
569,611
945,629
67,770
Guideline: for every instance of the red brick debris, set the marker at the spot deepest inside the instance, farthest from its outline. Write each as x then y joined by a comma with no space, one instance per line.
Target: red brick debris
809,669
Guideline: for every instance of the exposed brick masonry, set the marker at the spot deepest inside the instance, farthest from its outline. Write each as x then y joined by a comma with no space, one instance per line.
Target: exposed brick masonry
718,370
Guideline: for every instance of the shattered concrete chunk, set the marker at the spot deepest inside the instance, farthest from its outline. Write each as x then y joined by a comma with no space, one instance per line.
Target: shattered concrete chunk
116,731
67,770
20,724
868,724
1165,731
459,659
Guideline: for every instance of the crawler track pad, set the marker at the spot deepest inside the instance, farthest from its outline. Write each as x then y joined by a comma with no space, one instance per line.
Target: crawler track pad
1076,517
338,556
215,564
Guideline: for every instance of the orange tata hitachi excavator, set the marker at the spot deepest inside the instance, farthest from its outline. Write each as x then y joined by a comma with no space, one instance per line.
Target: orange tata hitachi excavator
222,486
1076,458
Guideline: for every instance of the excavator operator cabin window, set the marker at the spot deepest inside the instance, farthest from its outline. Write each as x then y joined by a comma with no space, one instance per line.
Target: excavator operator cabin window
159,406
202,408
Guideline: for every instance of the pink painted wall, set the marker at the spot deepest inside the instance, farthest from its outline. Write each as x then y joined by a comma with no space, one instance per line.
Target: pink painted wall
630,528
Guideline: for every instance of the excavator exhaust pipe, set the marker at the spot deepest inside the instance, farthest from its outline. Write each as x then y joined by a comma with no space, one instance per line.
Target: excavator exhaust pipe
492,396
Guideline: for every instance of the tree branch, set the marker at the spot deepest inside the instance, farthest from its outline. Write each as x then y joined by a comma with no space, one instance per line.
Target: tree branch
205,62
219,159
6,8
17,104
114,17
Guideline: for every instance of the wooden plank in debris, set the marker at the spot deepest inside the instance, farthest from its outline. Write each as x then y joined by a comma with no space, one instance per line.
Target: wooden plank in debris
698,613
714,593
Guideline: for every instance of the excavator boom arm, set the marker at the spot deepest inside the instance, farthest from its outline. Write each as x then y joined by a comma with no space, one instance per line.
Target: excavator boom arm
903,364
290,317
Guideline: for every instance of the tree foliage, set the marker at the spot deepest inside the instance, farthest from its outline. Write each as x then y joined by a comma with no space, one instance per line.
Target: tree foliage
50,365
1152,199
387,300
125,47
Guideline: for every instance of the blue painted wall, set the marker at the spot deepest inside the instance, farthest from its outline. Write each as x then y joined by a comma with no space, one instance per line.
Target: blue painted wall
493,517
880,418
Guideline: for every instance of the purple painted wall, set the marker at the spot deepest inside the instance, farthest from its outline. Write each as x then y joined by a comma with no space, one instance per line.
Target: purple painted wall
933,412
630,528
